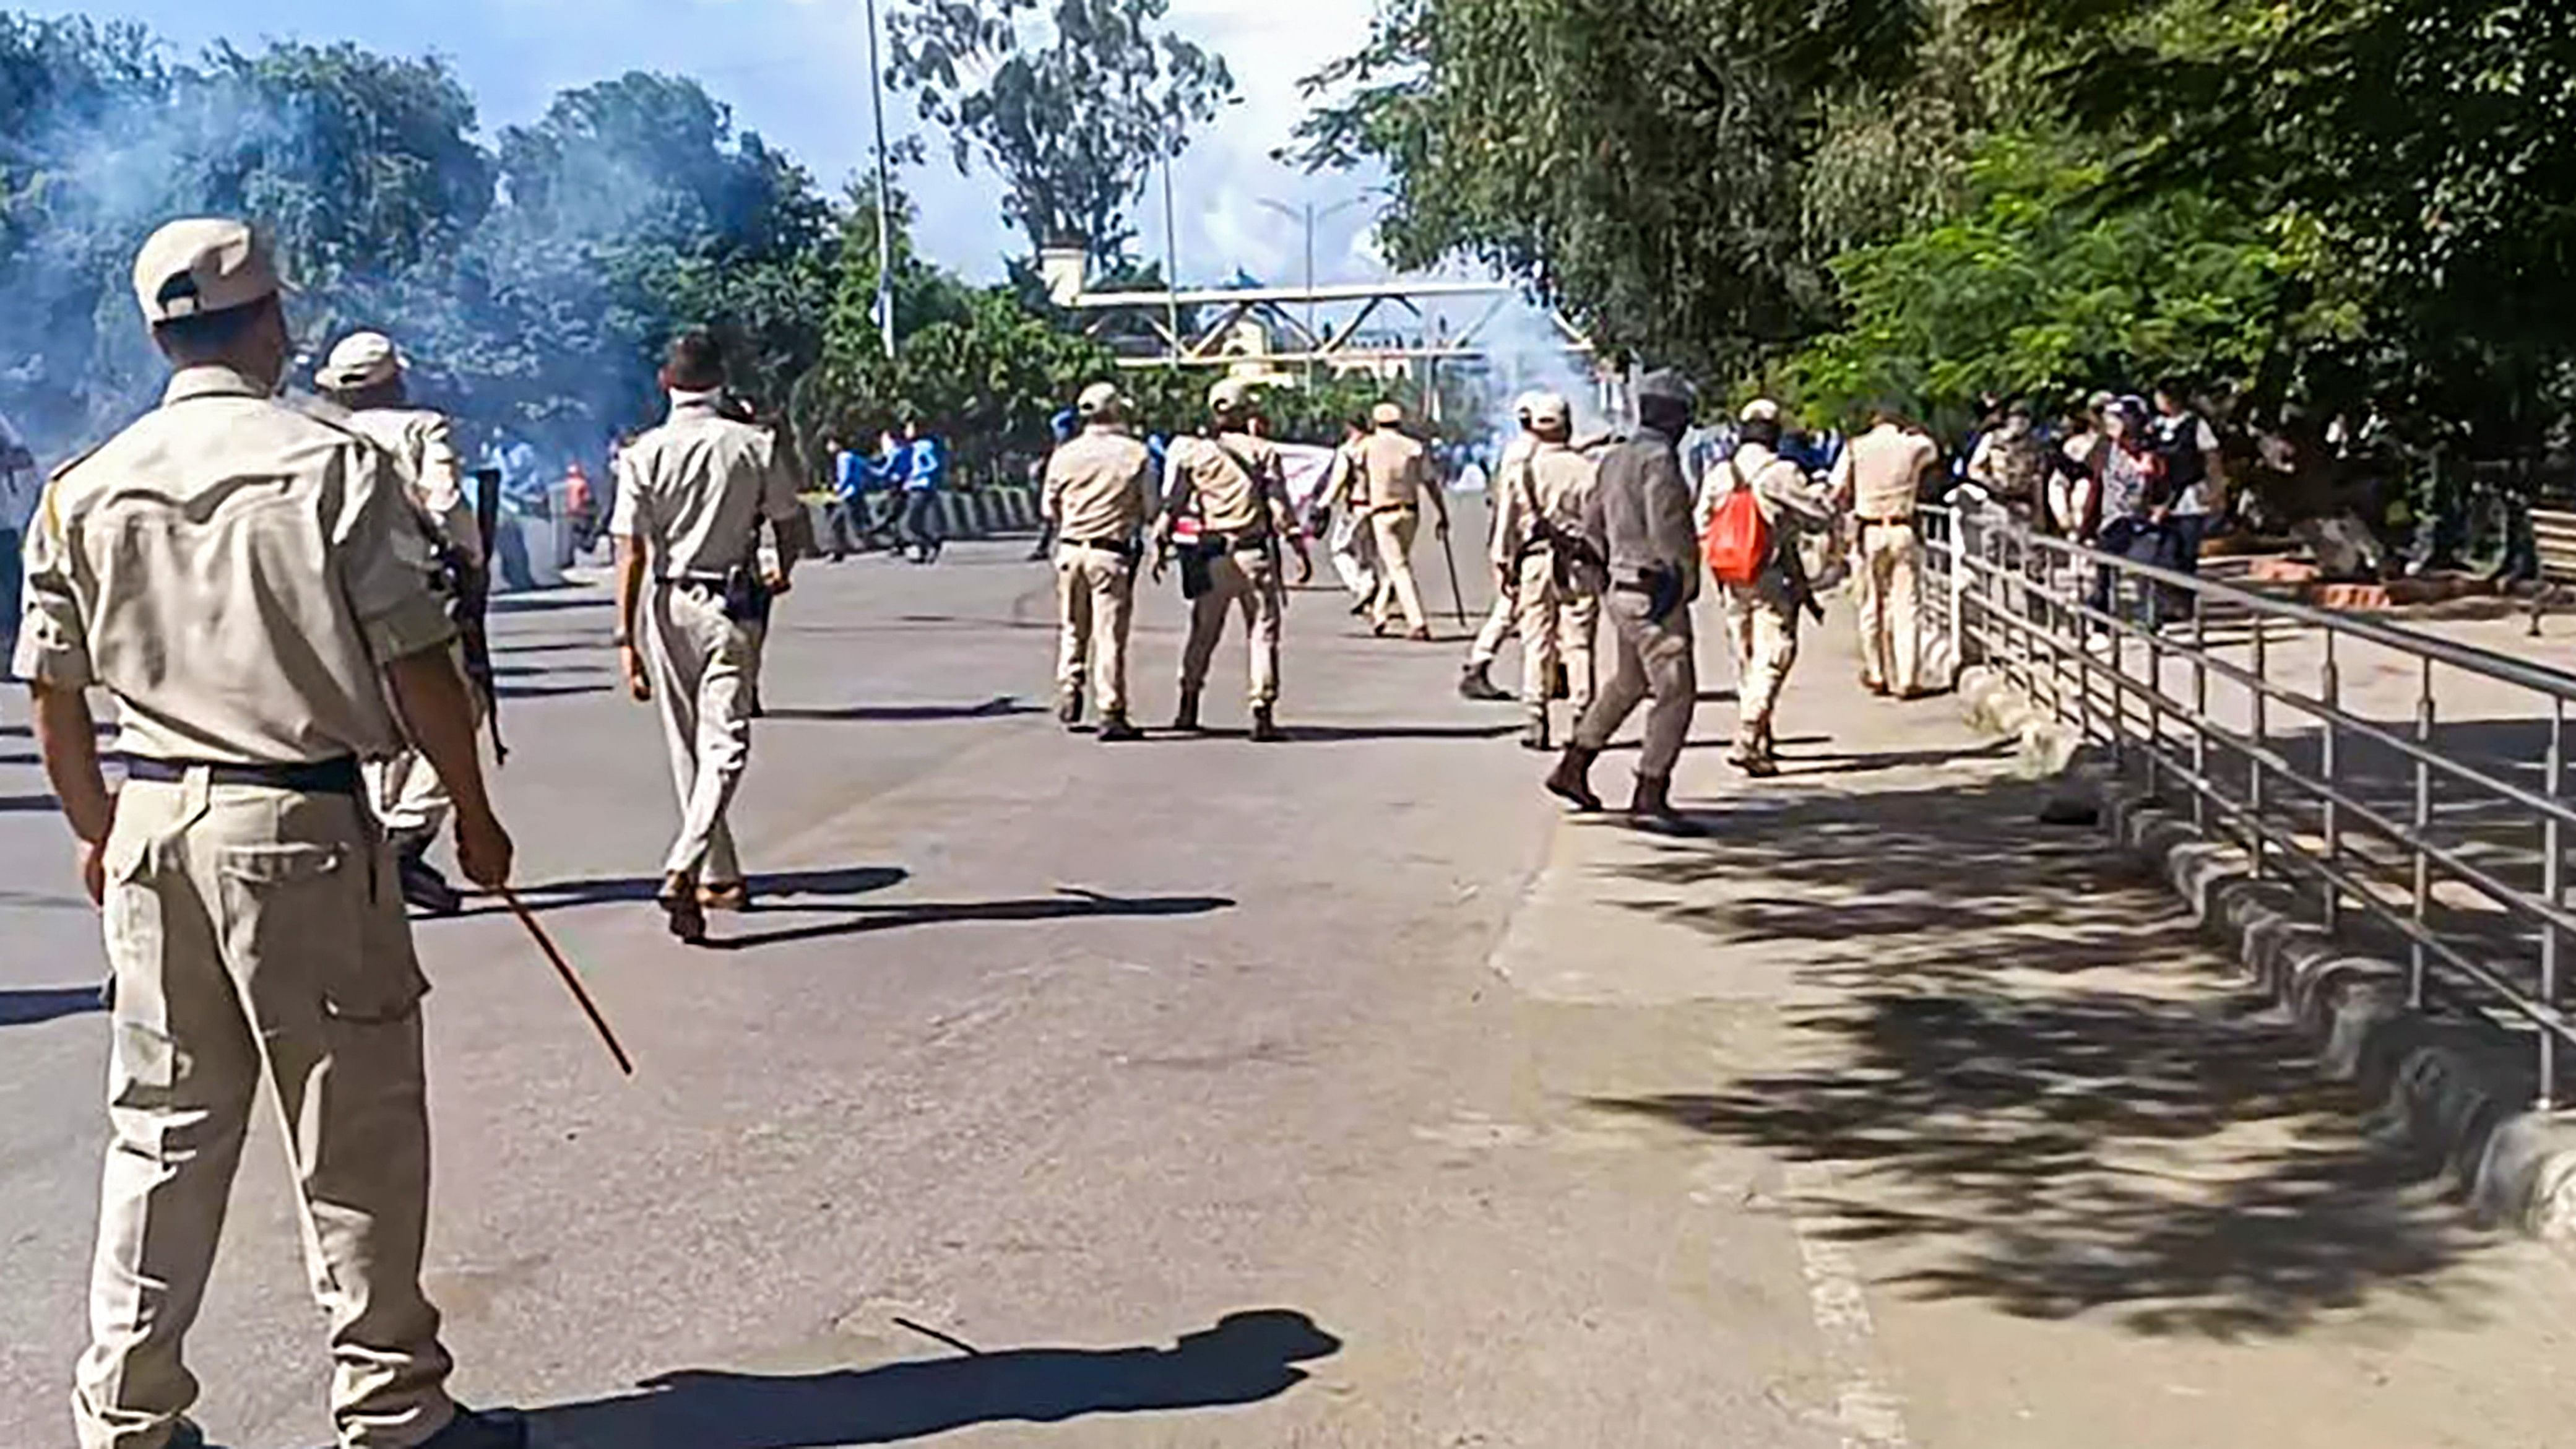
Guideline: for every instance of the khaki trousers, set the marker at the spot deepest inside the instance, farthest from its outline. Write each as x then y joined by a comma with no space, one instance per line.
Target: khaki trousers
701,663
1354,553
260,932
1891,581
405,793
1557,624
1501,622
1238,582
1762,621
1647,658
1396,529
1095,598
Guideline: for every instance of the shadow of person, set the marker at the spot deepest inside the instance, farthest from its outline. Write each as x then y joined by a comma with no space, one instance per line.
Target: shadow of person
785,890
1246,1358
999,707
1069,903
31,1008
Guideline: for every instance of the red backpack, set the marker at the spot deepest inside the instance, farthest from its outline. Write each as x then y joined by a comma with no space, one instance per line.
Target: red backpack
1737,542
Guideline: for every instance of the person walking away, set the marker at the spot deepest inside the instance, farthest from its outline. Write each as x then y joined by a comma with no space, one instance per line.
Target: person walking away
1879,479
925,476
1098,486
2195,479
251,582
365,377
1344,502
1638,520
1503,619
1762,612
1063,427
1231,482
1399,478
691,598
1558,577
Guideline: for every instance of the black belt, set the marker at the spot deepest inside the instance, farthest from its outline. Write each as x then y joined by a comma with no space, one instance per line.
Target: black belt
1124,547
313,777
1906,522
1216,543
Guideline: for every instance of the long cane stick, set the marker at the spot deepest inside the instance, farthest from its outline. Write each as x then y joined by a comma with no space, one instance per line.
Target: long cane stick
1449,554
572,982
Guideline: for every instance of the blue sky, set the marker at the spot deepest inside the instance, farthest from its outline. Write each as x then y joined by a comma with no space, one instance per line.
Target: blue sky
796,71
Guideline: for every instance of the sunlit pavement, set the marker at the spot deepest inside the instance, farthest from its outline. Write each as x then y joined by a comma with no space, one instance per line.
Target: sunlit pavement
1333,1093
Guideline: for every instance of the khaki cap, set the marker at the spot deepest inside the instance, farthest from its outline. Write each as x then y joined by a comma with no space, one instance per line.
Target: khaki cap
1100,397
1387,414
1760,410
201,265
362,360
1548,410
1233,395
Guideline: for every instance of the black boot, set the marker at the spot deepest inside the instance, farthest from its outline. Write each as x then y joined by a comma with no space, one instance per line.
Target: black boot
1185,720
1265,728
1068,707
688,918
423,888
1651,809
1476,684
1534,734
1115,730
1571,781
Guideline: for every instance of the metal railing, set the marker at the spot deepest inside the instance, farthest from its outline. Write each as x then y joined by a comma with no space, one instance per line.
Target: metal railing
2409,789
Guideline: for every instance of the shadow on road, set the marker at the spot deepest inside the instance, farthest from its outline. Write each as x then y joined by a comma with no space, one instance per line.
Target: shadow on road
1322,734
807,890
1244,1359
998,707
1069,903
548,603
25,804
30,1008
2044,1099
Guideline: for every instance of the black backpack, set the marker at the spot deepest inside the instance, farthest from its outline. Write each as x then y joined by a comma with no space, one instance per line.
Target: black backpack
2178,440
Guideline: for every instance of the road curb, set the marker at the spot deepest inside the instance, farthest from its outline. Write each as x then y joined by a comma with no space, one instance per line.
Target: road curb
2457,1091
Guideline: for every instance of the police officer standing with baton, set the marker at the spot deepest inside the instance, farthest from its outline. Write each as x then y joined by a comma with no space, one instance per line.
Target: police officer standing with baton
252,585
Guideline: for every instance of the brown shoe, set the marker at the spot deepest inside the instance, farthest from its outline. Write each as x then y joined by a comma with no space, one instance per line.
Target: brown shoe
1421,635
732,895
679,901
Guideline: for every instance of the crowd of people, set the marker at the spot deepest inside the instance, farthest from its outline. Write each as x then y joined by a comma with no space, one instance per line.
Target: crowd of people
887,499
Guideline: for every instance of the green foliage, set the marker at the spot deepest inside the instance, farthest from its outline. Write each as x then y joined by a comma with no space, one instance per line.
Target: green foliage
1072,118
2033,290
1643,165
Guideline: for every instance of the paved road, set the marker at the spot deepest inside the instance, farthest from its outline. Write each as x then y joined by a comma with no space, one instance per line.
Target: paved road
1330,1094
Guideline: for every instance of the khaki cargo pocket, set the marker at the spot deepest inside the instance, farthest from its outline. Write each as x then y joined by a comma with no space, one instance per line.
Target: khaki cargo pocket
301,912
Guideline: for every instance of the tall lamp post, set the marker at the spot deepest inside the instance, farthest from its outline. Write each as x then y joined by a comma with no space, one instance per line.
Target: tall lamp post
885,194
1307,213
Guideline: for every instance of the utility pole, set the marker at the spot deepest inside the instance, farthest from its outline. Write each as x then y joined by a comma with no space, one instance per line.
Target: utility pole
885,194
1311,218
1171,252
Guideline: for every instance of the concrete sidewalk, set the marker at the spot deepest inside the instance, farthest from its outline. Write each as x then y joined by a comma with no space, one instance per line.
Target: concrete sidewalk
2056,1173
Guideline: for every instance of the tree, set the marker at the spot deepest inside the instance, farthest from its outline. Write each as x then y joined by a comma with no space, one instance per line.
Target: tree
1642,166
1073,118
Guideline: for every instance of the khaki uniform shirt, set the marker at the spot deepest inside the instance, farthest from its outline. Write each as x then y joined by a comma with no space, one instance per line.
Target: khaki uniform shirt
1555,482
1228,499
1349,481
1881,470
1639,514
425,444
1099,486
1398,470
695,490
237,573
1503,496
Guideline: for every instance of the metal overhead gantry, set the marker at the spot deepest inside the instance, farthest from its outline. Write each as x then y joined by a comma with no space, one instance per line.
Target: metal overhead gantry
1344,344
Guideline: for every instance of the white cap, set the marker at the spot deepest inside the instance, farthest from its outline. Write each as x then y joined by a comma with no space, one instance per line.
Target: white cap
1760,410
362,360
202,265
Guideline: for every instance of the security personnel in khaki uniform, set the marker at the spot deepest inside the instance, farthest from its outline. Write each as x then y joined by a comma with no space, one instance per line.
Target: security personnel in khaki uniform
1557,579
1762,617
1233,484
1399,478
1877,478
1099,485
1353,544
692,603
364,376
253,587
1503,620
1639,521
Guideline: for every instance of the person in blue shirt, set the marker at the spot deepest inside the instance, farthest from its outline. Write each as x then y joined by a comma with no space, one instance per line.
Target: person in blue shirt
1063,425
925,473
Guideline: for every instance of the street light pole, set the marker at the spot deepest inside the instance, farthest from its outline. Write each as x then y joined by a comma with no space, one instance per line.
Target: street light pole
885,195
1171,257
1312,218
